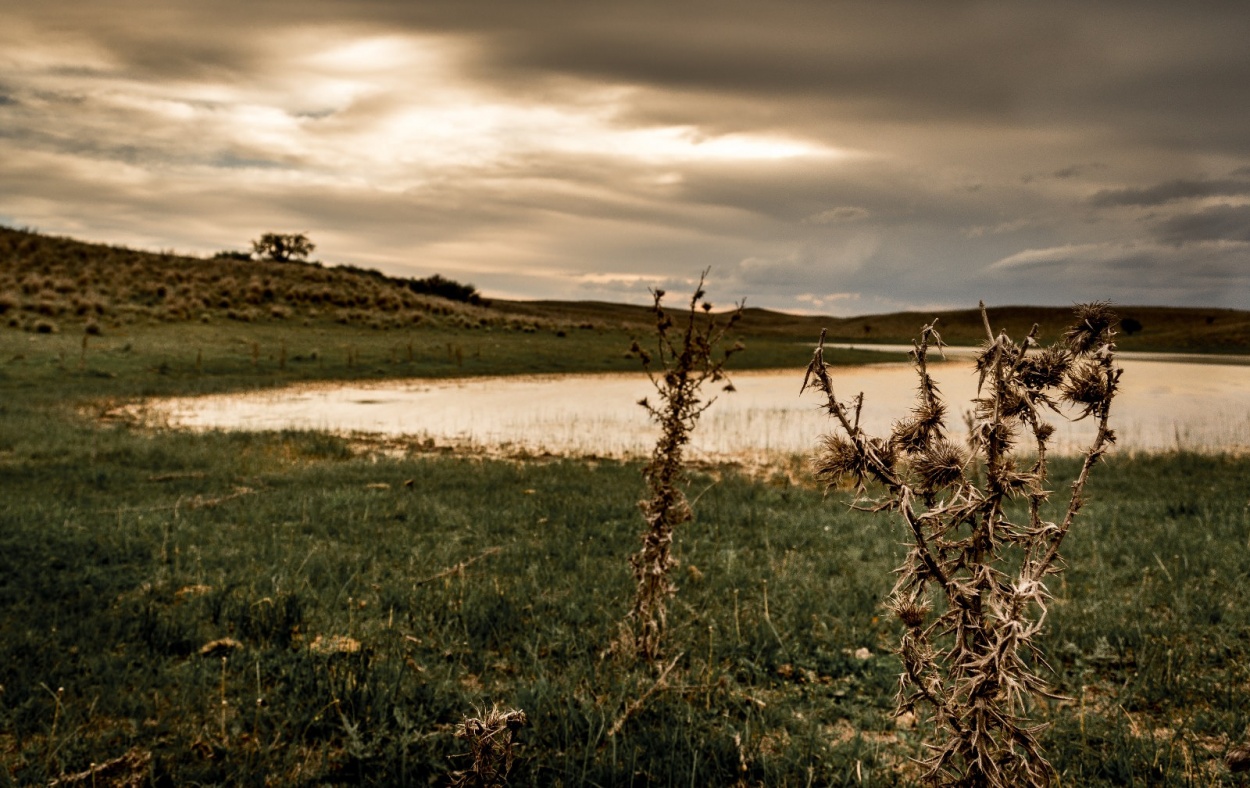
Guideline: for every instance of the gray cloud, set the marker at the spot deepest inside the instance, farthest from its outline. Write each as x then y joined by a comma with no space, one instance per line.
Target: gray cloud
1218,223
1171,191
1140,273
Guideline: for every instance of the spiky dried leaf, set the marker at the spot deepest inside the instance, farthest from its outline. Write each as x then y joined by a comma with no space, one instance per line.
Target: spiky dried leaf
1015,482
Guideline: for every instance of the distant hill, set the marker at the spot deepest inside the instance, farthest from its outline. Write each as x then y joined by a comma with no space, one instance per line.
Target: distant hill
47,281
1154,328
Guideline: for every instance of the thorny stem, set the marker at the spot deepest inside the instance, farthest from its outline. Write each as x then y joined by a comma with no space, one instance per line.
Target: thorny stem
820,372
1092,455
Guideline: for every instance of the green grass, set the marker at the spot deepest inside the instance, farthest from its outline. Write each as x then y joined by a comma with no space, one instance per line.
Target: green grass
123,554
187,358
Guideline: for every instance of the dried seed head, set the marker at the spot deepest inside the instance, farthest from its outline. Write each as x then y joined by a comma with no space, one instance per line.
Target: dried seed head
941,465
837,459
1092,329
909,435
1087,385
1045,368
1044,431
917,432
883,451
911,612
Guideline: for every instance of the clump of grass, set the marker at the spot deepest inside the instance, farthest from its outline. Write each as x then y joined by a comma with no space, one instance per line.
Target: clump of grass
492,740
685,359
971,592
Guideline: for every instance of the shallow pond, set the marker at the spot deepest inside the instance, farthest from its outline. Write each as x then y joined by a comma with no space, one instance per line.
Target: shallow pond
1162,405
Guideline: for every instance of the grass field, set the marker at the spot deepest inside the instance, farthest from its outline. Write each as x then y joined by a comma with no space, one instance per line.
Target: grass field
295,609
124,555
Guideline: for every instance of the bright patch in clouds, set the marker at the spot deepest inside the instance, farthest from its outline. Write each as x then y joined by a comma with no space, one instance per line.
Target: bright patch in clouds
684,143
392,109
388,114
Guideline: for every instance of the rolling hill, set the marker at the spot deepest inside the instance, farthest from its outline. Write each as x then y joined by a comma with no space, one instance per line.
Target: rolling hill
50,284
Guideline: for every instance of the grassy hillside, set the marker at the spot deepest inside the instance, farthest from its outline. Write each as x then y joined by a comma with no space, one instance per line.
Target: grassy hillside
47,283
52,285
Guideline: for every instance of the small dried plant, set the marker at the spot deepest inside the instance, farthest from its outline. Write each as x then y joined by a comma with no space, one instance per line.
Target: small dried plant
686,358
492,739
972,591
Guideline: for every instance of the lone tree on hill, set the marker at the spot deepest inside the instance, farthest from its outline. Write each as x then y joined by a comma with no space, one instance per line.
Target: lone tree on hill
283,247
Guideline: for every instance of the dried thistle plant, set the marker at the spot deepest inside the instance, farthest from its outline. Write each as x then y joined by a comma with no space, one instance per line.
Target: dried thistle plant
686,358
492,739
972,591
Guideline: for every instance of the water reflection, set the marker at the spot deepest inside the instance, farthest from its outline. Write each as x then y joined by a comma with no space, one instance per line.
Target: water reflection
1203,407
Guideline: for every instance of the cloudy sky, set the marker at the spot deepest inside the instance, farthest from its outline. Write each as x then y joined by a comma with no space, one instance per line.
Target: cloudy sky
820,156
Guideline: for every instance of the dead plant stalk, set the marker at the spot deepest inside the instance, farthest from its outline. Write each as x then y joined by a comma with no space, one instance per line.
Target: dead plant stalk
685,359
971,590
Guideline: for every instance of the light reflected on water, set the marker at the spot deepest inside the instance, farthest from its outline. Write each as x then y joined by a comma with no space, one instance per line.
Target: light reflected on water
1162,406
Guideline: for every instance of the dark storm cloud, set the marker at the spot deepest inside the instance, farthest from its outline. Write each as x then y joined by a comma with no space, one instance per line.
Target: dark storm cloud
1147,71
1170,192
839,156
1141,273
1218,223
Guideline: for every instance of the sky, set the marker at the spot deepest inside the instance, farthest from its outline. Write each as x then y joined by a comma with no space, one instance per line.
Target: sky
818,156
